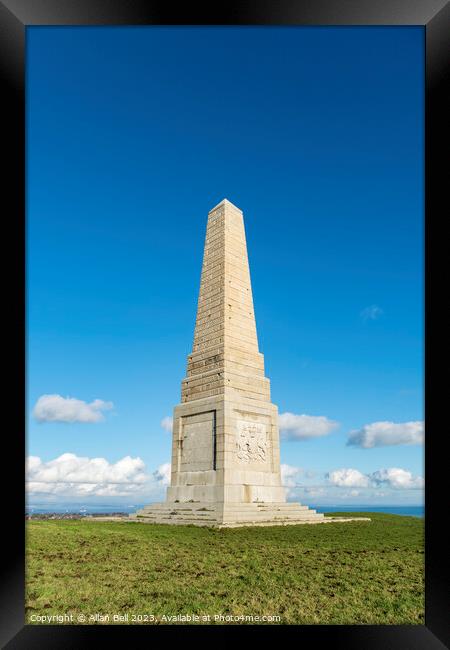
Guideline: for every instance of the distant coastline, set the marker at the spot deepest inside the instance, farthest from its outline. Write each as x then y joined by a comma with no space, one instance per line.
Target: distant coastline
71,510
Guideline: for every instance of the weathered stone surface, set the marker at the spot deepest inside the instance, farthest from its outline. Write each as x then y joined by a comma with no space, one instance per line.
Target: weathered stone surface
225,451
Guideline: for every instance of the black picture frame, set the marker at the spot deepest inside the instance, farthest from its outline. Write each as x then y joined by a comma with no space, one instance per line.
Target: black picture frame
15,17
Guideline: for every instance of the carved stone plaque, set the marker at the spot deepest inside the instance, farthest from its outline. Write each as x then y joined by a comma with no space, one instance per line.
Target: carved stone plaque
197,451
251,442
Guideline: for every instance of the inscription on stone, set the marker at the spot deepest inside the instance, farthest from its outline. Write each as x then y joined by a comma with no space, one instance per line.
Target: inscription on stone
197,450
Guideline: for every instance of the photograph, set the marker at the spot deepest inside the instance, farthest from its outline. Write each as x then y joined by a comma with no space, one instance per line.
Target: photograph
225,251
223,269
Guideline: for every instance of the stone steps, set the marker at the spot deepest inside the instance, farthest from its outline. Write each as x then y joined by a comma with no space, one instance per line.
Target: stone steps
269,511
232,510
242,507
227,516
186,520
171,513
230,515
178,522
162,511
292,522
273,518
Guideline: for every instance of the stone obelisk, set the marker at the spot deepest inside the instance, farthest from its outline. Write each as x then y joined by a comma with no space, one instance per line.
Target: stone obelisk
225,448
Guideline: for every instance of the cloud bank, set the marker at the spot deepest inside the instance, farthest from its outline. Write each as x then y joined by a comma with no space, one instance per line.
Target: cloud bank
54,408
393,477
382,434
162,474
348,478
167,423
396,478
304,427
289,474
71,475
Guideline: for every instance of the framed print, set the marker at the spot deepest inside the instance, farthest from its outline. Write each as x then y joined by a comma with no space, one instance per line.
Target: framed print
220,252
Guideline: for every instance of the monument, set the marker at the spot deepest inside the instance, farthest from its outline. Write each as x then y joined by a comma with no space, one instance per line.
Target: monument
225,443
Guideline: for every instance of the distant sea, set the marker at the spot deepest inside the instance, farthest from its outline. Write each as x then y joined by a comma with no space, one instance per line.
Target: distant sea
79,508
83,509
407,511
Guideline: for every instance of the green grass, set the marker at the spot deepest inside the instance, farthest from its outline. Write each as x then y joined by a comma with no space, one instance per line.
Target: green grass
339,573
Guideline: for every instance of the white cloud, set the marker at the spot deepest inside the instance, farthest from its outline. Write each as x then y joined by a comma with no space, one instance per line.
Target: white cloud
71,475
315,491
304,427
289,474
393,477
54,408
162,474
397,478
348,478
289,477
371,313
32,463
381,434
167,423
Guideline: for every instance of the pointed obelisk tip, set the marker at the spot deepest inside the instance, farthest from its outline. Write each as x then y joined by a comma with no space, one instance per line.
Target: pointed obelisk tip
226,203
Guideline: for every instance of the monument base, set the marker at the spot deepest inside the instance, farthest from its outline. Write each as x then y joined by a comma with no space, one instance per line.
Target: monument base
229,515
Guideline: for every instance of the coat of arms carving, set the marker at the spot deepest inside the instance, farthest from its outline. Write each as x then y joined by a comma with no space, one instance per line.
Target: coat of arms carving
251,442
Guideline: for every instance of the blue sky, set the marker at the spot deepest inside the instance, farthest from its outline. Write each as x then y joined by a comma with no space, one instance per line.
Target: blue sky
133,135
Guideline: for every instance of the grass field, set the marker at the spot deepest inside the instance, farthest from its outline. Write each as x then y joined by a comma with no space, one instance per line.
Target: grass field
339,573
